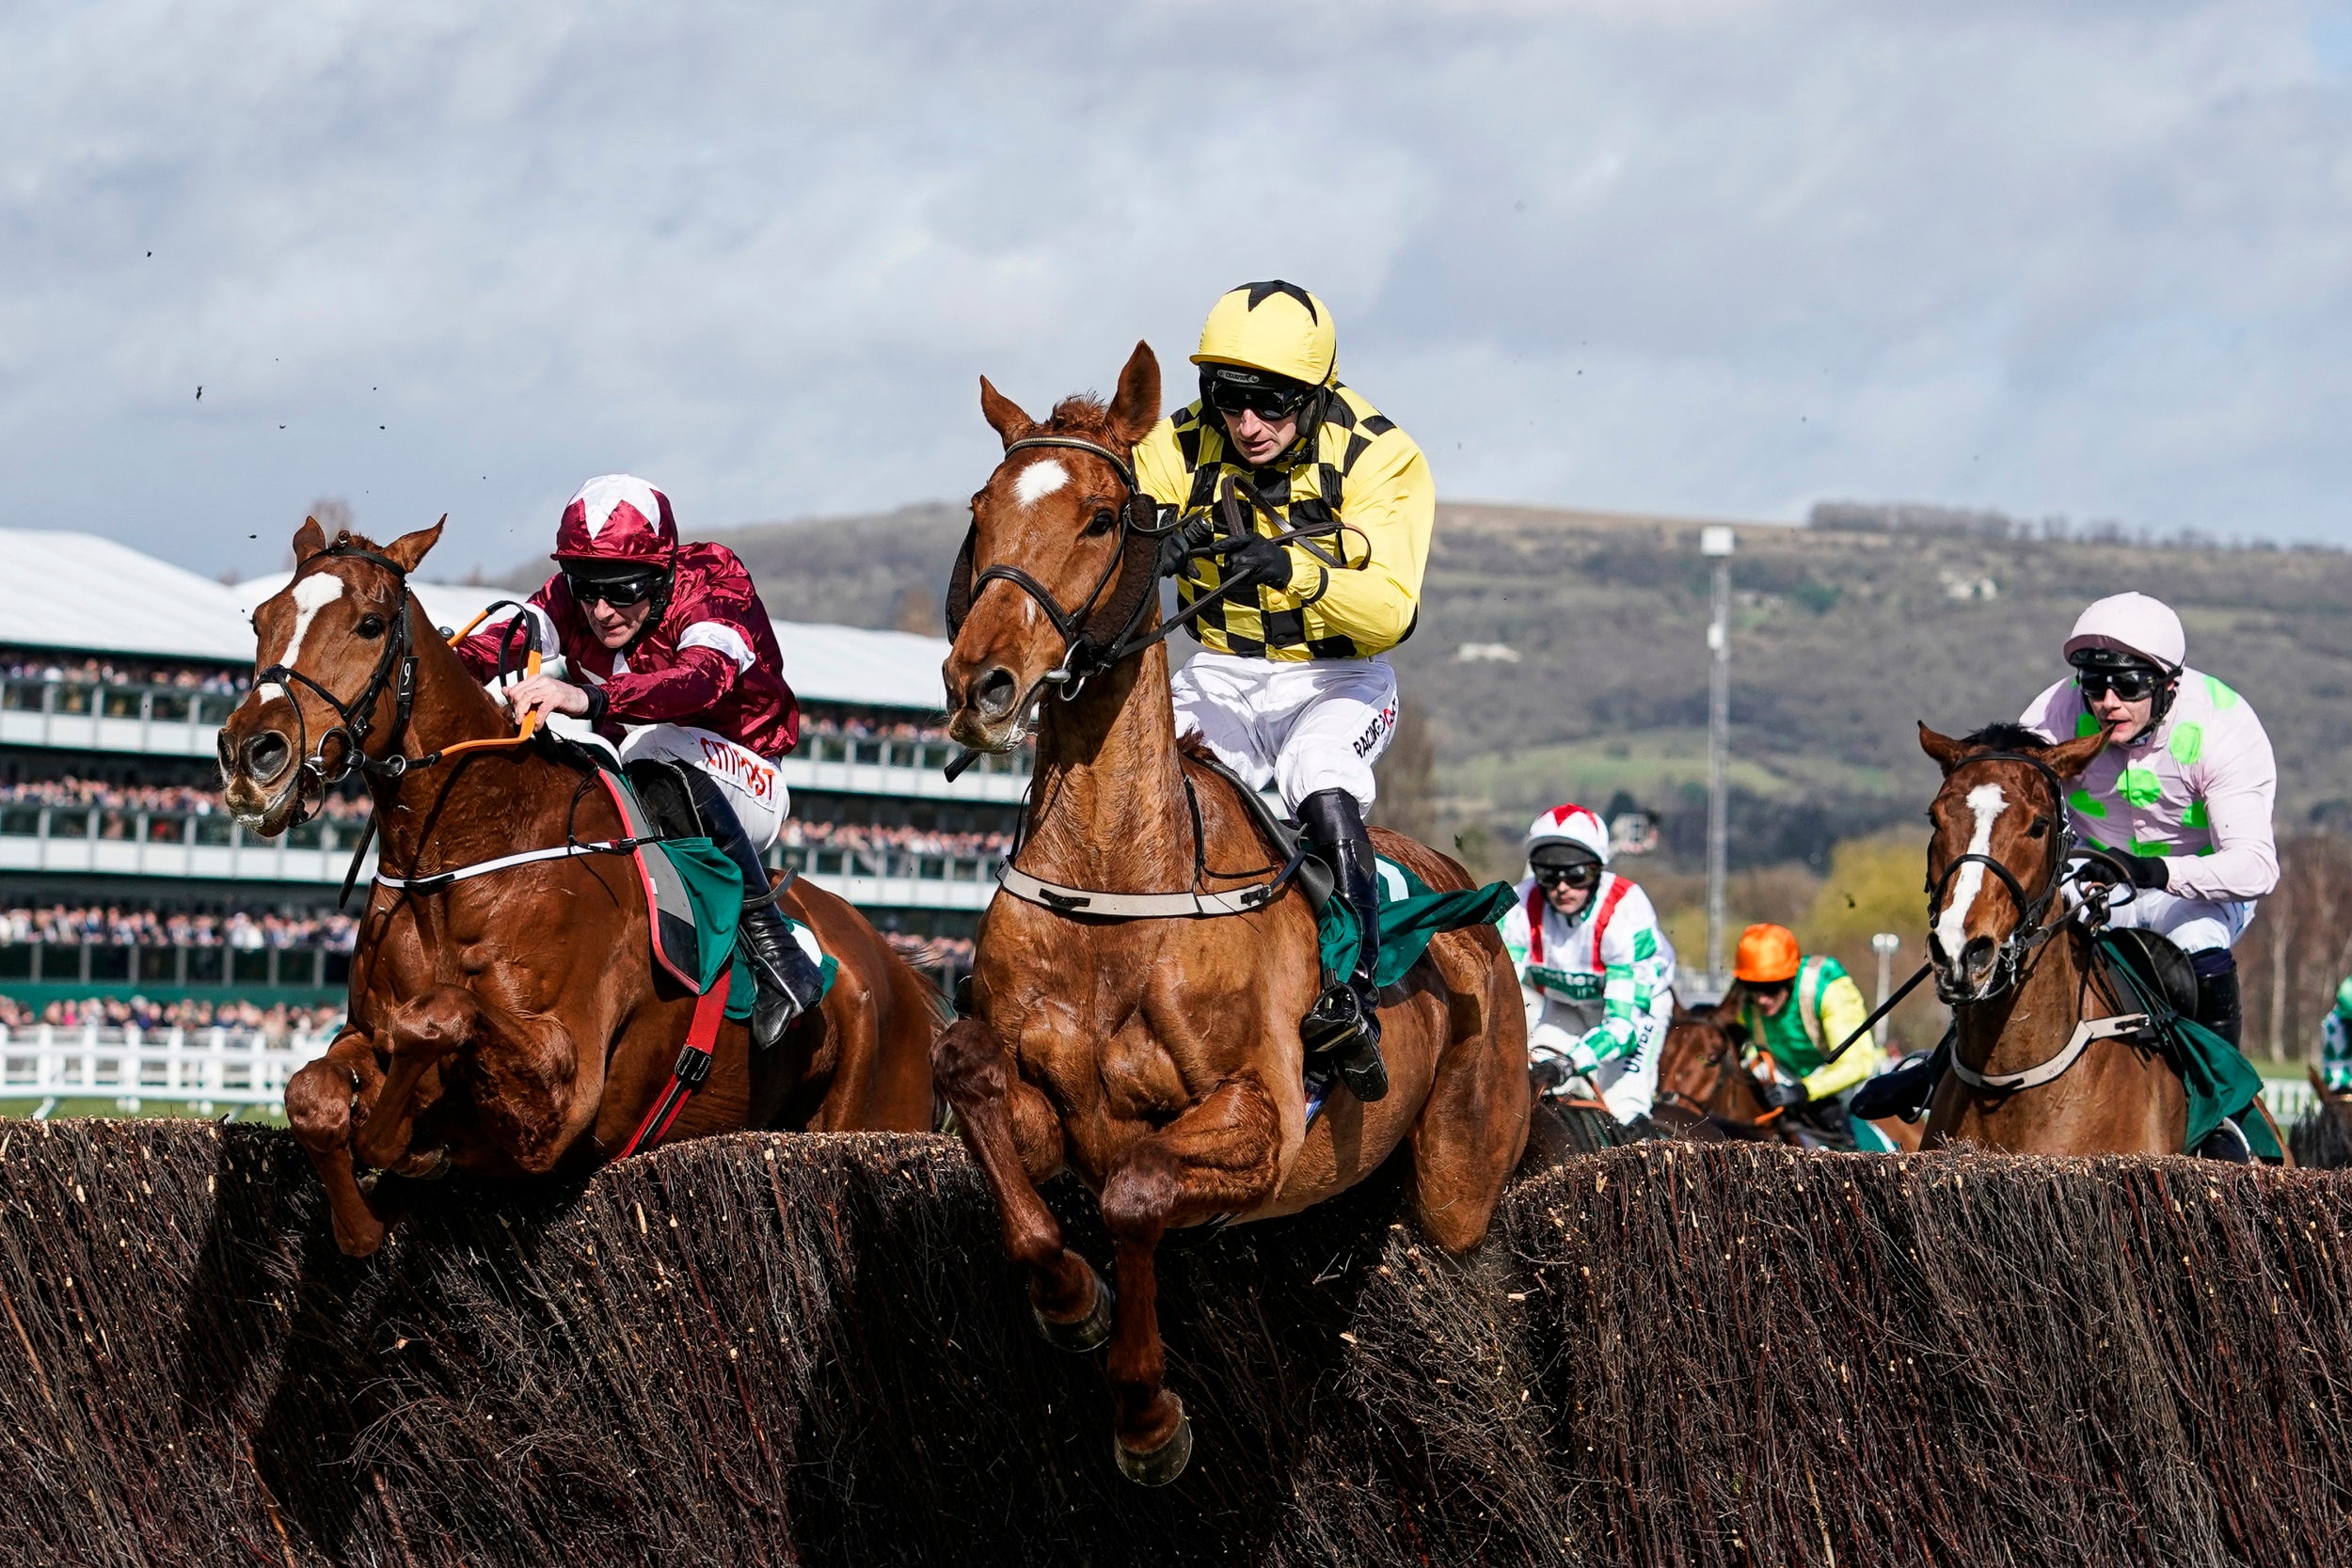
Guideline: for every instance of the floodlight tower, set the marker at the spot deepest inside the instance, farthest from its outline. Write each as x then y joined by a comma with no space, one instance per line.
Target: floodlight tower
1885,944
1715,544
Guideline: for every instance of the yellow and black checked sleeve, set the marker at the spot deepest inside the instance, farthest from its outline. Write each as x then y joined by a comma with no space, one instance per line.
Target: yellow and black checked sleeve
1389,505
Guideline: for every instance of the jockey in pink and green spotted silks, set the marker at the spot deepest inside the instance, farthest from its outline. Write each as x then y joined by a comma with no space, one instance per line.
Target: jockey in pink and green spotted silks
2182,793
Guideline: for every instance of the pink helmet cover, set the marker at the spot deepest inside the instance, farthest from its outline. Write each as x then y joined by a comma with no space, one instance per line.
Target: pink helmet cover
2132,624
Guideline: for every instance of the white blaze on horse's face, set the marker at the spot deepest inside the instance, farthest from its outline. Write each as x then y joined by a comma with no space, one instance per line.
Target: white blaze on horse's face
310,596
1040,479
1951,929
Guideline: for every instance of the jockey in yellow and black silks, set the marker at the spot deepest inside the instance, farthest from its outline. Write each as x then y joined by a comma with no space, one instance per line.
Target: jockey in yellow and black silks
1290,686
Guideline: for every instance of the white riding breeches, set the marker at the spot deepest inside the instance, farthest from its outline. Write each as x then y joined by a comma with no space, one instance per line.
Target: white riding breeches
2193,925
751,782
1303,728
1626,1085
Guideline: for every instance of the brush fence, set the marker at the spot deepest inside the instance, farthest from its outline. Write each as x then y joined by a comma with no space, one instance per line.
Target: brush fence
777,1349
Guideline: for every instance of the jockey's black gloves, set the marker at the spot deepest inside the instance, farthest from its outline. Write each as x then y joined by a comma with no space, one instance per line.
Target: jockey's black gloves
2151,872
1257,563
1779,1097
1178,545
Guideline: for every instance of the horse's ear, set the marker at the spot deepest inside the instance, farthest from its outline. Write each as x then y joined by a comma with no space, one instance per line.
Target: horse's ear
1946,751
2068,760
1003,415
309,540
409,548
1136,408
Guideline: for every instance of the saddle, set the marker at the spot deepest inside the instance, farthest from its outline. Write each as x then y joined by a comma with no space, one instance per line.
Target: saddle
1313,877
2161,967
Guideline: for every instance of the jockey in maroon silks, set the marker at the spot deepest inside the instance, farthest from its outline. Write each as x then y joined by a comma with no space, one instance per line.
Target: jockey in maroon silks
669,652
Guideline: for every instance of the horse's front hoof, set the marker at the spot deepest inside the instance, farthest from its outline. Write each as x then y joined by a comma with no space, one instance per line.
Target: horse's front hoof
1162,1464
1081,1335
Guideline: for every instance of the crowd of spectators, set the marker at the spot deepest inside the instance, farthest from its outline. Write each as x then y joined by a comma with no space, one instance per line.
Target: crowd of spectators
277,1020
135,925
88,671
913,840
183,799
934,953
871,726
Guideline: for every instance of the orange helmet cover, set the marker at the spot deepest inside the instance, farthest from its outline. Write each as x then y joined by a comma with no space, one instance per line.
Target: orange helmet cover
1768,955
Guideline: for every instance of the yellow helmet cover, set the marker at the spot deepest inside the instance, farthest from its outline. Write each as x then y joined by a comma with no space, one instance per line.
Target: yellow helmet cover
1274,327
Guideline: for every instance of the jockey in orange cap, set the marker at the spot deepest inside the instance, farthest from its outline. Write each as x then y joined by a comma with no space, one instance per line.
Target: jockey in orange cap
1798,1010
669,654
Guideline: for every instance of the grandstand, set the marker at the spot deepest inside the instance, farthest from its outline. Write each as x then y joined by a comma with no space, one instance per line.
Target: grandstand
131,902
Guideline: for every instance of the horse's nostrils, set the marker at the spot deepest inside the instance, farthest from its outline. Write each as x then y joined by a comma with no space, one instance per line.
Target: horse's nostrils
266,755
995,693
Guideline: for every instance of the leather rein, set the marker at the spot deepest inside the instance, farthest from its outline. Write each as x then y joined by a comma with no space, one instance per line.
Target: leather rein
2011,962
355,720
1097,637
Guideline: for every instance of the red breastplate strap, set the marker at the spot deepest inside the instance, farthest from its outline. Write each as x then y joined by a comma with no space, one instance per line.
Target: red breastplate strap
1600,917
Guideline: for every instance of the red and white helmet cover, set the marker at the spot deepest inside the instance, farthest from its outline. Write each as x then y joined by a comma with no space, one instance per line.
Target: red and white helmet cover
617,517
1570,824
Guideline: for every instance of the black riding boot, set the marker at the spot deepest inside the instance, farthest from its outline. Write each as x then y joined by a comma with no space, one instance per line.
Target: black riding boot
2217,1006
788,983
1345,1021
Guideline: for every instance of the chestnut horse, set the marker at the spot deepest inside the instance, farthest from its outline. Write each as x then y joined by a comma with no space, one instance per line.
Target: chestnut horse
1702,1080
2017,969
1160,1057
513,1023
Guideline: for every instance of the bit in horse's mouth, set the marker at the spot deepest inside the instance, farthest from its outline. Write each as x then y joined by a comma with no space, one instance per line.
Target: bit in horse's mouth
257,820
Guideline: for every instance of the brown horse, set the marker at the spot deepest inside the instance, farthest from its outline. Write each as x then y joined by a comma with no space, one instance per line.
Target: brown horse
510,1023
1704,1086
2017,969
1160,1057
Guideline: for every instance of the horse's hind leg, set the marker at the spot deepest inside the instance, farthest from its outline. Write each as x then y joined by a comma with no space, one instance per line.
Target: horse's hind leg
1220,1157
319,1101
1016,1142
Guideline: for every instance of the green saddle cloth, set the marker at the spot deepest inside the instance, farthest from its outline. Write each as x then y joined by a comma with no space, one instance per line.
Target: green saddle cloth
2219,1080
1410,915
697,908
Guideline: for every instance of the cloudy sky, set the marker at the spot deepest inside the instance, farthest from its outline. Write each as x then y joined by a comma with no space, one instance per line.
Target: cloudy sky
1719,256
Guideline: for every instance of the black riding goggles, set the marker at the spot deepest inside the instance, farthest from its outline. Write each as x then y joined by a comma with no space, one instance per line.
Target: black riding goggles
2131,685
1266,401
620,592
1582,874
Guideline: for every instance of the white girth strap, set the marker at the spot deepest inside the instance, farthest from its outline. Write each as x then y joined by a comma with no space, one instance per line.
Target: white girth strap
1135,906
2034,1077
482,868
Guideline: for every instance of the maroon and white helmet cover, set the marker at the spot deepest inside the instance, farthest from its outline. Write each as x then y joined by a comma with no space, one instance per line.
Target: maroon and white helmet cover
617,517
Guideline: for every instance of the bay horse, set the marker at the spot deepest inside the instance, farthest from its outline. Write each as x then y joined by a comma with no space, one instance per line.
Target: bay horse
1159,1057
2016,967
1706,1088
511,1023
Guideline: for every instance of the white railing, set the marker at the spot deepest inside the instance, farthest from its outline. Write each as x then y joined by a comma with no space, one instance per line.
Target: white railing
203,1069
2290,1098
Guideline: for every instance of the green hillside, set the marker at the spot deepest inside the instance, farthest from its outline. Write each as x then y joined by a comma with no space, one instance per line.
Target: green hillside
1843,639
